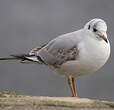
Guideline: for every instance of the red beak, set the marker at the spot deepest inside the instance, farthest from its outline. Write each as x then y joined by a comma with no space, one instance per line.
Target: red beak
104,38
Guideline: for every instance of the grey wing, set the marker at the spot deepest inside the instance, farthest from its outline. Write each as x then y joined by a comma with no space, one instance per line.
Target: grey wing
58,51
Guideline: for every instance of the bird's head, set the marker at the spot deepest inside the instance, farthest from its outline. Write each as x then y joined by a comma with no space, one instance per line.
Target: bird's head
97,27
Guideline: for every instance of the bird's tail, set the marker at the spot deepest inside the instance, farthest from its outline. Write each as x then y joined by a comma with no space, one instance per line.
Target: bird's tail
24,58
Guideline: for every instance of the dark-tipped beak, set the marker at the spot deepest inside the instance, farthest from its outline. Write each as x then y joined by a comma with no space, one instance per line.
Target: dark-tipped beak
104,38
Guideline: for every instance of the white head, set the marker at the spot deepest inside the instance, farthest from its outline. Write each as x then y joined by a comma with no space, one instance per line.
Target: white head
97,27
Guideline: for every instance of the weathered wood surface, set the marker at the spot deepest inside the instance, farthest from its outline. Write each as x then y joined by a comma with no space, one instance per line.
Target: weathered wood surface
18,102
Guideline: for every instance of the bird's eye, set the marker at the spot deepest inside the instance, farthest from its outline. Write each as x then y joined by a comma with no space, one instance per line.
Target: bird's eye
94,29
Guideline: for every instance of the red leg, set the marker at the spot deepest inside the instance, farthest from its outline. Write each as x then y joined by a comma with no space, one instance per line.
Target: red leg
70,85
74,87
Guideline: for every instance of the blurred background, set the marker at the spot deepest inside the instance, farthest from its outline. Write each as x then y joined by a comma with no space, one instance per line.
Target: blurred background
24,24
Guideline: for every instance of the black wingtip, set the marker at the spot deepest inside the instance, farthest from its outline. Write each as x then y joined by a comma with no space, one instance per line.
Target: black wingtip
14,57
9,58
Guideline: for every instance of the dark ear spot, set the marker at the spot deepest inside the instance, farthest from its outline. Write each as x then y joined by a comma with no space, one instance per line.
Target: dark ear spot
94,30
89,27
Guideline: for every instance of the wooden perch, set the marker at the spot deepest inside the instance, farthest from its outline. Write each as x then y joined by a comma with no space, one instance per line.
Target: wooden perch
18,102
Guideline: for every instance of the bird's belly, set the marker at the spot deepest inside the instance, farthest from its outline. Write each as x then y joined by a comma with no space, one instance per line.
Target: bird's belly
76,68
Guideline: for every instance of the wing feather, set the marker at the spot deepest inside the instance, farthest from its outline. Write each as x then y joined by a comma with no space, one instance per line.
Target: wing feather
34,50
56,52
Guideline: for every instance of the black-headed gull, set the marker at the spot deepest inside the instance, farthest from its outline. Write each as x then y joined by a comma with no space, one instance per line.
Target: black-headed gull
73,54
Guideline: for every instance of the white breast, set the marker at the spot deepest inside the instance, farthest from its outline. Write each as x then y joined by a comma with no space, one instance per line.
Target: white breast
93,55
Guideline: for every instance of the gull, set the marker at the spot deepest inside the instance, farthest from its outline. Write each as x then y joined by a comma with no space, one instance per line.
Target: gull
72,54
